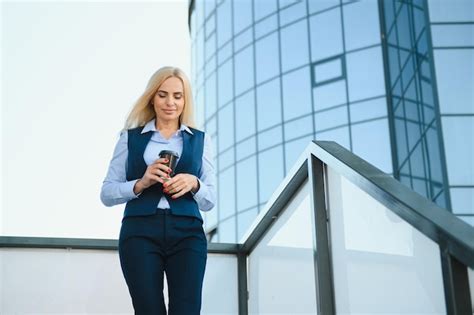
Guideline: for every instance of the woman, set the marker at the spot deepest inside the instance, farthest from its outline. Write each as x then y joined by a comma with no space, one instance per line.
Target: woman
162,228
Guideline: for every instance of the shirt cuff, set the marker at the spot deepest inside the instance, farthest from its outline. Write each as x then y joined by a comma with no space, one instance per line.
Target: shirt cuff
200,194
126,189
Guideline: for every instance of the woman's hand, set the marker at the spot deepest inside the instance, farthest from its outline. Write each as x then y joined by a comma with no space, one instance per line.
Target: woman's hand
180,184
157,172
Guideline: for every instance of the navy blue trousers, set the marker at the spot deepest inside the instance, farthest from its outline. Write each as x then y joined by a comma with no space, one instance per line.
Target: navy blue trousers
163,243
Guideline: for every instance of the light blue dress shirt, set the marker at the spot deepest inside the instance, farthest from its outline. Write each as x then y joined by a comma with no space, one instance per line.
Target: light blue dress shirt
116,189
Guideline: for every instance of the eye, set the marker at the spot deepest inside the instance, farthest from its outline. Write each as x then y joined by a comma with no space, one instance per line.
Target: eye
161,95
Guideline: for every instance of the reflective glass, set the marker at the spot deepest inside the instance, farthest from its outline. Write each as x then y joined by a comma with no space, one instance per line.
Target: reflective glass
210,25
224,31
371,247
226,127
210,46
226,81
245,116
200,50
365,73
403,28
455,82
268,104
434,155
210,66
226,189
296,93
242,14
452,35
292,12
270,171
227,230
329,95
320,5
224,53
263,8
370,135
400,137
246,183
246,148
199,107
294,46
294,149
361,32
299,127
369,109
339,135
331,118
266,26
328,70
244,70
226,159
244,220
267,57
269,138
210,96
451,11
281,266
243,39
462,200
458,133
209,6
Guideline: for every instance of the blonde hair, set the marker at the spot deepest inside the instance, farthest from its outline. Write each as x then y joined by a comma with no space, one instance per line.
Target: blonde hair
143,111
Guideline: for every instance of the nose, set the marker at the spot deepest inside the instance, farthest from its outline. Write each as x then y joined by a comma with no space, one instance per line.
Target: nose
170,101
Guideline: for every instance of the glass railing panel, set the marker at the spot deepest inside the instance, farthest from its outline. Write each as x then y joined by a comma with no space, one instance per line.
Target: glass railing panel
381,264
76,281
281,267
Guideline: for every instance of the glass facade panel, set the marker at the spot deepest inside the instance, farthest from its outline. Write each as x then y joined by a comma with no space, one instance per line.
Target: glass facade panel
296,94
244,220
244,74
246,148
452,11
227,195
329,95
329,70
226,127
245,116
339,135
228,230
268,104
264,8
331,118
270,171
372,246
226,81
267,57
269,138
453,35
375,108
463,200
321,5
361,32
243,39
326,34
210,96
292,12
242,15
266,26
298,127
224,31
294,149
247,183
294,51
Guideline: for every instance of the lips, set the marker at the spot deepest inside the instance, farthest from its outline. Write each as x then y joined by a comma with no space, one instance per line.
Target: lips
168,111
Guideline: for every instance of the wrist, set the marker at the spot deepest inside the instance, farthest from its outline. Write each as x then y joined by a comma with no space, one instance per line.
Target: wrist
138,187
196,186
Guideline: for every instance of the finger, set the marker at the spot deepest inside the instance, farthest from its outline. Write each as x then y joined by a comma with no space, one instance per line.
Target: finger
179,194
161,161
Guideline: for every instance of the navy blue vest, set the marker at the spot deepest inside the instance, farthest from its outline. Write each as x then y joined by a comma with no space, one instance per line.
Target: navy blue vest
190,162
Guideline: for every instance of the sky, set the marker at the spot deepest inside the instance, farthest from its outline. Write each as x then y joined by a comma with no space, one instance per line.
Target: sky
70,72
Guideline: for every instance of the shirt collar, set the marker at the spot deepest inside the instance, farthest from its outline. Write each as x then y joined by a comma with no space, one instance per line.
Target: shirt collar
150,126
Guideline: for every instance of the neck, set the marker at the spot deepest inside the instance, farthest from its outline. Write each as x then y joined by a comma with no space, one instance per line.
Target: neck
167,125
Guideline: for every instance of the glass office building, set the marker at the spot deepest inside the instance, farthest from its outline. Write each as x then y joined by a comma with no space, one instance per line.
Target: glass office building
389,80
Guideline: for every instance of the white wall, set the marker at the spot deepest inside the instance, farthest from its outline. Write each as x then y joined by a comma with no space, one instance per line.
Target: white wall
70,74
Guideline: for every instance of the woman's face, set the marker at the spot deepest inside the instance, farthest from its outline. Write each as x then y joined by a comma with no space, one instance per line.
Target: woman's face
168,101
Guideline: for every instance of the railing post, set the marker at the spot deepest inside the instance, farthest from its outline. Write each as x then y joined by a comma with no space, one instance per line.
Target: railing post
322,254
242,282
456,284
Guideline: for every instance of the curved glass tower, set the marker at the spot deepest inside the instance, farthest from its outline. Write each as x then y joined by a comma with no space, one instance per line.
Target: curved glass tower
270,76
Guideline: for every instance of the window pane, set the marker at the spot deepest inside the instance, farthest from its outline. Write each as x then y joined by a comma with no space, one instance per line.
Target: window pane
361,24
339,135
292,12
266,26
210,46
245,116
297,93
246,148
268,104
244,221
455,82
365,74
370,135
243,39
294,46
226,81
224,53
452,35
320,5
244,74
368,109
227,230
269,138
226,159
242,14
263,8
226,193
210,25
210,97
246,183
268,58
331,118
226,127
326,34
298,128
458,133
328,70
270,171
451,11
462,200
329,95
223,25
